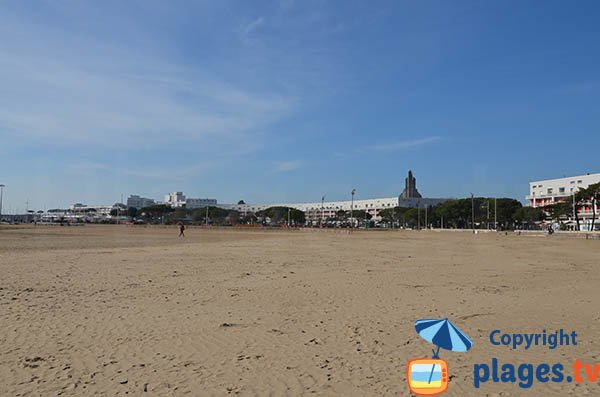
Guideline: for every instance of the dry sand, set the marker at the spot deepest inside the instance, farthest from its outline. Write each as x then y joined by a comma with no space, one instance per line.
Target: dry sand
114,310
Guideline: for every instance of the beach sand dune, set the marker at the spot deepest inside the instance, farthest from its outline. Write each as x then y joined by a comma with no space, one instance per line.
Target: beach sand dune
126,310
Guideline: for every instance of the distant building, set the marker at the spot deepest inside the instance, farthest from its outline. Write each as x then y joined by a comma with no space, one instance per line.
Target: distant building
192,203
410,187
178,199
82,213
317,211
175,199
77,207
139,202
551,191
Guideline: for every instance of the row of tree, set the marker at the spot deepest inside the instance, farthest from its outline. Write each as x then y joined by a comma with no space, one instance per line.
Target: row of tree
478,212
165,214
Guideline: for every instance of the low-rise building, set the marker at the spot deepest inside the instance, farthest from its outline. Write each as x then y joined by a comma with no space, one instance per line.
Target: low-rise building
193,203
138,202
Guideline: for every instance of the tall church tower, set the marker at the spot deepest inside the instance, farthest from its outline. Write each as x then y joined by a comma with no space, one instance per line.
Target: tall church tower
410,187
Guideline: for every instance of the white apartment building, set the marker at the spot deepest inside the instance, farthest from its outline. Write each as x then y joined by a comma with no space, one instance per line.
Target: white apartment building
175,199
178,199
83,213
317,211
322,210
550,191
138,202
192,203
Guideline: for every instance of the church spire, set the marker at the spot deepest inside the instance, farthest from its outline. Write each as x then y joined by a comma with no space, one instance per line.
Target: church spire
410,187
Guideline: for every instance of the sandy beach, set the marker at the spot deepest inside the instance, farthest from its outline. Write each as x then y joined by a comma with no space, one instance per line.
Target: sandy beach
115,310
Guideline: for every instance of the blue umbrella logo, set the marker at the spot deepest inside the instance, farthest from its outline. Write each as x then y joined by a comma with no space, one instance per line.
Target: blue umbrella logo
443,334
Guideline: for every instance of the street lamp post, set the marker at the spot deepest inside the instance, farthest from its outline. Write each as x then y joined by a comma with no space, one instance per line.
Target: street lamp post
472,213
1,191
488,214
322,210
495,213
352,207
573,221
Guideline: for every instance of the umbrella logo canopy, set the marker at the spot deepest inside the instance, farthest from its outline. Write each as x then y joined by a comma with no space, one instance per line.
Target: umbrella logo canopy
443,334
428,377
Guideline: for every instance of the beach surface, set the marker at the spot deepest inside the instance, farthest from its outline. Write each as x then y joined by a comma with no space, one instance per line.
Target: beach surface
115,310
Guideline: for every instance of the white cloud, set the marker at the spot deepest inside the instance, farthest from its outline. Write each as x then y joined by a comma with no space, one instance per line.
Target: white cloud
286,166
399,145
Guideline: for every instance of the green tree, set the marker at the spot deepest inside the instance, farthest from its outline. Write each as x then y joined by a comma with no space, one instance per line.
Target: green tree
217,215
411,217
279,215
155,212
559,210
180,214
360,214
395,215
132,212
528,215
389,215
588,196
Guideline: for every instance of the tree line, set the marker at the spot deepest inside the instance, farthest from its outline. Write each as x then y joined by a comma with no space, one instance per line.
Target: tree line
478,212
211,215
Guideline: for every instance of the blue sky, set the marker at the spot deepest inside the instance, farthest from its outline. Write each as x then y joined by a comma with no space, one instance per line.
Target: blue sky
289,100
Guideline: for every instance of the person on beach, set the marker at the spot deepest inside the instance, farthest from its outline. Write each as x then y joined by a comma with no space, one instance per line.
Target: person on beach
181,230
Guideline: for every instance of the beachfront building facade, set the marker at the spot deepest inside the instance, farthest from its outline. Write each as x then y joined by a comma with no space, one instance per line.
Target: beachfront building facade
551,191
138,202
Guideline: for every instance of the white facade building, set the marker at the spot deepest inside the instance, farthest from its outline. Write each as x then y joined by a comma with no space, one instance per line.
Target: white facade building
175,199
318,211
178,199
84,213
550,191
138,202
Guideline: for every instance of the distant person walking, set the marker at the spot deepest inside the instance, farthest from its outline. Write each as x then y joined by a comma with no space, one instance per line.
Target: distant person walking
181,230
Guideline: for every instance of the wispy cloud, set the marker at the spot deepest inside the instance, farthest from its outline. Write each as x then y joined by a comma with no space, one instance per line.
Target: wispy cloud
250,27
286,166
87,168
87,93
406,144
